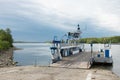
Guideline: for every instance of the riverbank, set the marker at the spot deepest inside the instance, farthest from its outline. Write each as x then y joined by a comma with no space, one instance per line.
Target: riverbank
54,73
6,58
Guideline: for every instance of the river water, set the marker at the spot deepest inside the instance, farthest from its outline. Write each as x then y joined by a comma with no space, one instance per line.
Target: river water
39,54
32,54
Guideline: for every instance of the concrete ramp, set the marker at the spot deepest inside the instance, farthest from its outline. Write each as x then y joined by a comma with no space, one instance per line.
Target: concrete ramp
80,65
80,60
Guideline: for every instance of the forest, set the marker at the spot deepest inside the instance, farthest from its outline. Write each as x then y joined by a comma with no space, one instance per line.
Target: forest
6,39
114,39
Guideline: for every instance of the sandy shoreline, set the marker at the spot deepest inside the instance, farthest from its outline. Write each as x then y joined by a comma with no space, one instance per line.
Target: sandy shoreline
54,73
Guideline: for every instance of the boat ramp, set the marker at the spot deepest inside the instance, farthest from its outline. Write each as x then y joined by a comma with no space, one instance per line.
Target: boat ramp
81,60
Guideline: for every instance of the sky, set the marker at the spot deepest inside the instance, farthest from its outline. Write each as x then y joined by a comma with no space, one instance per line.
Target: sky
41,20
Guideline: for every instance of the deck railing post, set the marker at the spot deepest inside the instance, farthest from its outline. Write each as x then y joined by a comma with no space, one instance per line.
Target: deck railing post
91,44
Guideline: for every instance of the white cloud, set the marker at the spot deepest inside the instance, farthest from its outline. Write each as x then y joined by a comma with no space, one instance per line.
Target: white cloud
104,13
108,21
65,13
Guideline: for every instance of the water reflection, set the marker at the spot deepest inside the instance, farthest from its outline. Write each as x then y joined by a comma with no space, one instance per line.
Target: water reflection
32,53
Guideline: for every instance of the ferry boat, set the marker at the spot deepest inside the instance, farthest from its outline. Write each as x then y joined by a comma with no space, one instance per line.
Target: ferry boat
68,47
104,56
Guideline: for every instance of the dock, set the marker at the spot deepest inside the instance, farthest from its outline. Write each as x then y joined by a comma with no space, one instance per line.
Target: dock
81,60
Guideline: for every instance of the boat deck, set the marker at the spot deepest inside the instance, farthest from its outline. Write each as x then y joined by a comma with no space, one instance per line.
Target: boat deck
80,60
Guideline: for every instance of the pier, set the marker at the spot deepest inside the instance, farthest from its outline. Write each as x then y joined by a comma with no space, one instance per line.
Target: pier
81,60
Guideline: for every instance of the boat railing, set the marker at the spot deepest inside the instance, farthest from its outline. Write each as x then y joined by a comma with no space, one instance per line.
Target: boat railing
65,44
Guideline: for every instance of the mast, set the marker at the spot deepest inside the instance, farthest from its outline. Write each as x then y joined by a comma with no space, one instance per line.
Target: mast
74,36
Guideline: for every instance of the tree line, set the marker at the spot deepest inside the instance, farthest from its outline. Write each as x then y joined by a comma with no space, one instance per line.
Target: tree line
6,39
114,39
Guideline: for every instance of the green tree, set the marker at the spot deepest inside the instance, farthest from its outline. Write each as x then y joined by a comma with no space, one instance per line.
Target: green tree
6,39
9,37
114,39
4,45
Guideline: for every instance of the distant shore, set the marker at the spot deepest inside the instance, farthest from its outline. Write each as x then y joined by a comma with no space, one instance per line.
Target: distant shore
29,42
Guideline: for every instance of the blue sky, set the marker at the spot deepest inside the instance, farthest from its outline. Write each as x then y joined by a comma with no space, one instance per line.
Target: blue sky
40,20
